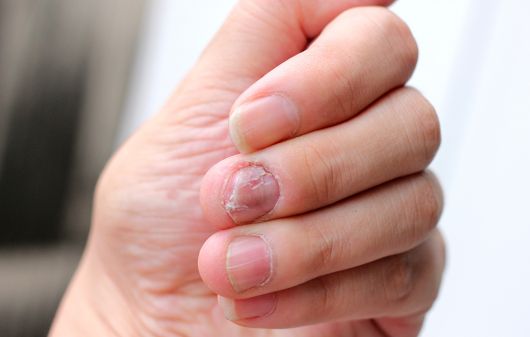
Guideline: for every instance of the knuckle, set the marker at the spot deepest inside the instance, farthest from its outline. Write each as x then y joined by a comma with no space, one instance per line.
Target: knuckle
322,250
399,279
440,248
326,299
396,32
321,171
436,265
344,96
428,203
427,125
433,198
430,125
402,34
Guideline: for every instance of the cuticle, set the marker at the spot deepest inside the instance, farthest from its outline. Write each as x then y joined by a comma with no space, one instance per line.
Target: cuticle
271,261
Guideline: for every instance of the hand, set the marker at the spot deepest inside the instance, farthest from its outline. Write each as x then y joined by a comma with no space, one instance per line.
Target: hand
324,225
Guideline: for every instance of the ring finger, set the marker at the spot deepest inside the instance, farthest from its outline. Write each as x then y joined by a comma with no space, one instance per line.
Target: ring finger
396,286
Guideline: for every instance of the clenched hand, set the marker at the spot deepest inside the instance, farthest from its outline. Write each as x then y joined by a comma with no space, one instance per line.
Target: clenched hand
282,186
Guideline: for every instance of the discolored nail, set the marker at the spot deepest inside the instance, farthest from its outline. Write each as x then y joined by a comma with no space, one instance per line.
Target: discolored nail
251,192
261,306
248,262
263,122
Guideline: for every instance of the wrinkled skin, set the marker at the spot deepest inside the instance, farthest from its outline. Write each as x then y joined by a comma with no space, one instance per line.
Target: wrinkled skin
156,230
139,274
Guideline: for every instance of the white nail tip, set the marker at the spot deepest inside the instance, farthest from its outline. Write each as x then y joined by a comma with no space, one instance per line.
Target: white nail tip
237,139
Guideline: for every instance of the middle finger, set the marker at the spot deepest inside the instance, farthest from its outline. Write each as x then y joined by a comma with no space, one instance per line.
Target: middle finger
395,137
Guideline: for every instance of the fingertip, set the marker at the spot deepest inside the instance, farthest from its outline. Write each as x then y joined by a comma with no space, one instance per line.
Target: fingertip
238,138
211,264
212,189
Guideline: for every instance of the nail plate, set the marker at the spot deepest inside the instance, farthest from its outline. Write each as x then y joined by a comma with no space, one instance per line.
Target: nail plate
248,262
263,122
251,192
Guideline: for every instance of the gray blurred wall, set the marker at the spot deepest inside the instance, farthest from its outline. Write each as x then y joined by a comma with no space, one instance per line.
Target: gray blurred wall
64,68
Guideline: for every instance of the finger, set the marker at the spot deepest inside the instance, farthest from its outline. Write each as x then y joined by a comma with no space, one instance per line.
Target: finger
339,75
257,36
397,286
252,260
401,327
190,134
397,136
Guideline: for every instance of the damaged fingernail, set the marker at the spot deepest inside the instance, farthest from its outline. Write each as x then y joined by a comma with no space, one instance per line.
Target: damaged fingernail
251,192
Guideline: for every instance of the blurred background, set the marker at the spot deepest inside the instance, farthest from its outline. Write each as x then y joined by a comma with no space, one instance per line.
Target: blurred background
77,77
64,74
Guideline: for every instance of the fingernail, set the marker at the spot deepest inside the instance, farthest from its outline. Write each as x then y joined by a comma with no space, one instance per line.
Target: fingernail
263,122
235,310
251,193
248,262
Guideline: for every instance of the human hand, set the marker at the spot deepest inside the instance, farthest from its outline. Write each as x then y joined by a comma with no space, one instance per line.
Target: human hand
333,218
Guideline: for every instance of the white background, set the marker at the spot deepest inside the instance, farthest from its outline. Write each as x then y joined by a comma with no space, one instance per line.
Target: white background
474,68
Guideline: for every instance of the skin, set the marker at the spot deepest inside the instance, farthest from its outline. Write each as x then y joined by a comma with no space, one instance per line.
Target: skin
352,237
